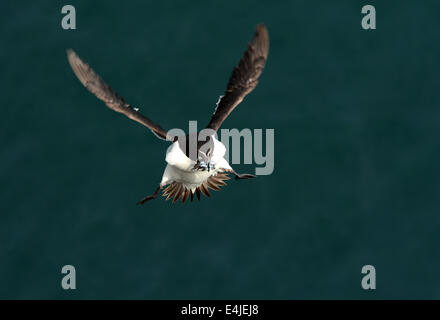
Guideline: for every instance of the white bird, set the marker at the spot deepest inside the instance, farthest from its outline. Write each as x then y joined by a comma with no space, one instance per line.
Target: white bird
195,162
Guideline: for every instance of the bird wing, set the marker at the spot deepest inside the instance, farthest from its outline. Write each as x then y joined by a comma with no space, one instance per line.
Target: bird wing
94,83
244,78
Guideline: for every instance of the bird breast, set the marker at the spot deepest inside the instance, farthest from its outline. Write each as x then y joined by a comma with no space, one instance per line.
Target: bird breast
177,158
180,167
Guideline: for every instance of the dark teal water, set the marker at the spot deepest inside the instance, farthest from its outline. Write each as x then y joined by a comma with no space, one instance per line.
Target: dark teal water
356,181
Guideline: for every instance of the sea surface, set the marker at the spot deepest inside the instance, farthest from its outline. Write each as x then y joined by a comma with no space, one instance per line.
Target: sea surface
356,119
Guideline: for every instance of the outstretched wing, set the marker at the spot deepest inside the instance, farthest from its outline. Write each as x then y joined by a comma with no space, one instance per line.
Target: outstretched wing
244,78
104,92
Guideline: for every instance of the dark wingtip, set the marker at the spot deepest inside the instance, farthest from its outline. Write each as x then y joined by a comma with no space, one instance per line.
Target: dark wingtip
70,53
262,30
261,27
262,37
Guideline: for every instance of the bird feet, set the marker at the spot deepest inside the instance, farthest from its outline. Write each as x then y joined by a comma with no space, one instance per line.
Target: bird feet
239,176
150,197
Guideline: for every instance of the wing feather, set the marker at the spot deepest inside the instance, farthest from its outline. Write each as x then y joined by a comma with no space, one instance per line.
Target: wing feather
94,83
244,77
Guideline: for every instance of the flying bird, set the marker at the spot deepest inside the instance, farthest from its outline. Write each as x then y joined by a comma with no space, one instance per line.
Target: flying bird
195,162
